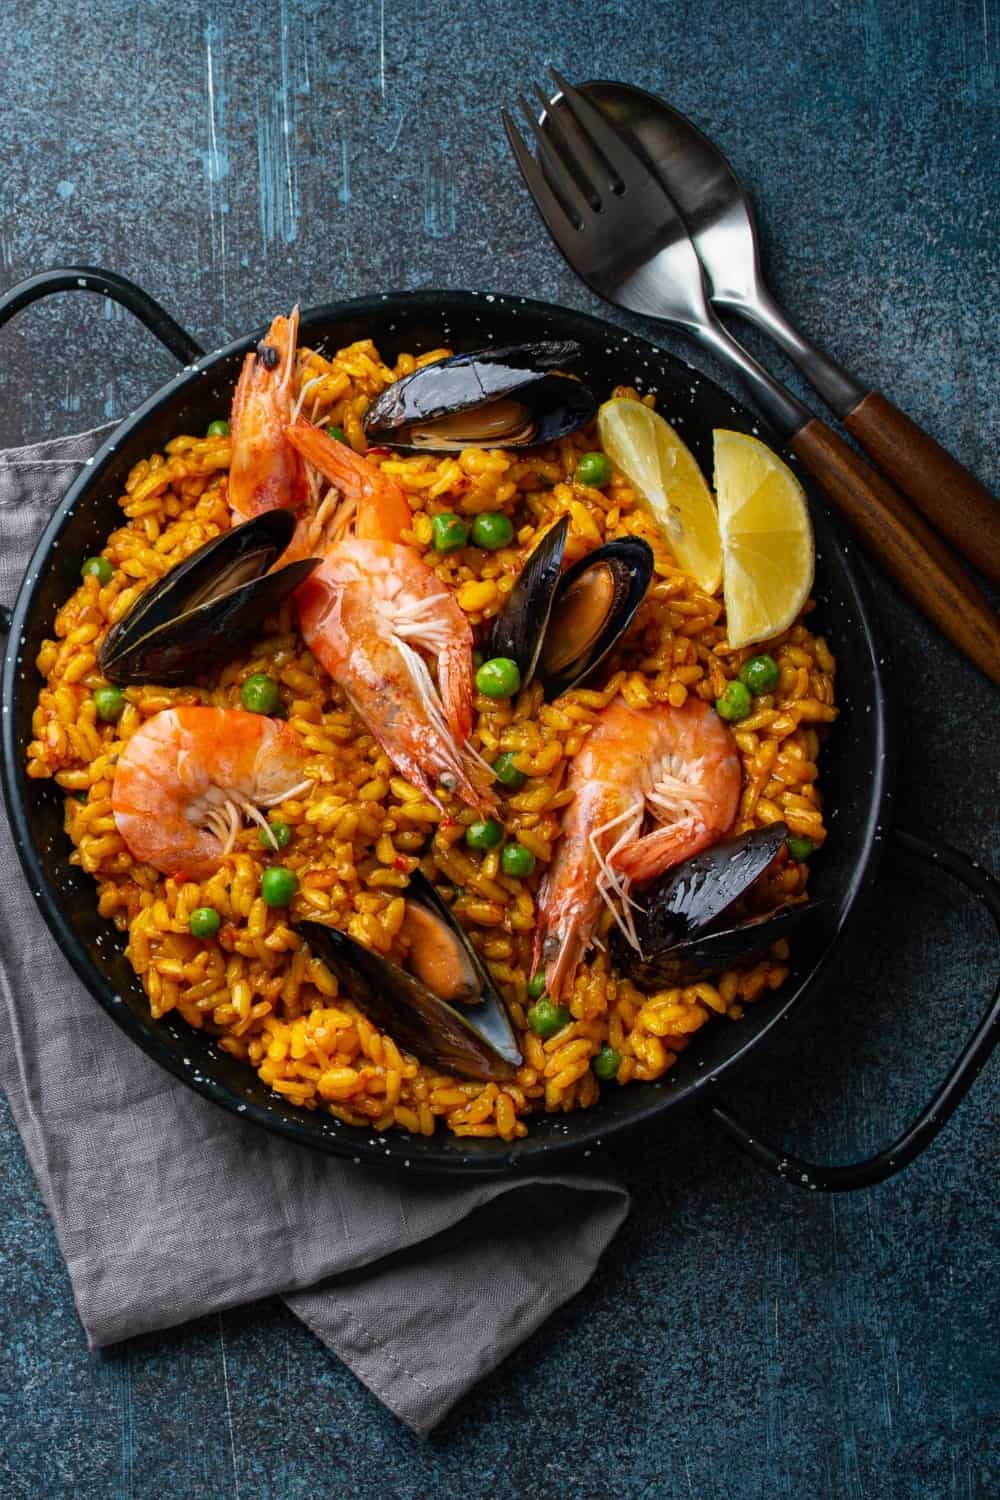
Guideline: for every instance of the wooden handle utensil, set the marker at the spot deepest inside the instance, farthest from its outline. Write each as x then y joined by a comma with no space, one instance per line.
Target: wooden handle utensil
903,543
949,496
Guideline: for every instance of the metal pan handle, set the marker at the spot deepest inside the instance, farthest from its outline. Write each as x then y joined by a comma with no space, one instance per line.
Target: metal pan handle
922,1130
105,284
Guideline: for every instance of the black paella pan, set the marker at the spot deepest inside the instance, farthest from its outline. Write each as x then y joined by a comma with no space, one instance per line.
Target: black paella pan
857,764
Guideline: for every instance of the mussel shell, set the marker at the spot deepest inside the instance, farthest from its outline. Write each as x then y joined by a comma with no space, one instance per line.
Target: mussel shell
472,1041
519,631
704,954
198,614
554,404
489,1014
691,896
629,564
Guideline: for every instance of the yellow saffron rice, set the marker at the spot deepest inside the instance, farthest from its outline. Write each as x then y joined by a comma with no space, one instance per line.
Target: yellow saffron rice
361,829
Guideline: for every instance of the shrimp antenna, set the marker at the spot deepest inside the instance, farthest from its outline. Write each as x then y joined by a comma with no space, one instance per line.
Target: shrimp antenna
612,885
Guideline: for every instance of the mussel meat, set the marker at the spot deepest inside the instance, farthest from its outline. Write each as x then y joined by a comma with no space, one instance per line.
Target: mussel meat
694,921
560,626
194,618
444,1007
511,397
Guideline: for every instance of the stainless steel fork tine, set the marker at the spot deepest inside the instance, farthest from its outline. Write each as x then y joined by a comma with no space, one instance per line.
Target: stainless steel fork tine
569,149
561,174
621,159
553,211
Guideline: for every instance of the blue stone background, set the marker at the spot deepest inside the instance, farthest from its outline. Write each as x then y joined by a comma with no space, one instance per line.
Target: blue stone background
740,1339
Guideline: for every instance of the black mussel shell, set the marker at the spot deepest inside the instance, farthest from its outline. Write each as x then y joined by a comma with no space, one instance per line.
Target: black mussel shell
519,631
707,953
492,398
474,1041
691,896
688,924
594,604
197,615
560,626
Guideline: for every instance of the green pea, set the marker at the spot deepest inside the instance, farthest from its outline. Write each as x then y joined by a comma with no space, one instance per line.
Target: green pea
99,568
606,1064
218,428
109,702
536,987
507,773
498,678
449,532
486,834
278,885
760,674
260,694
204,922
800,848
546,1018
337,433
517,860
734,704
594,469
275,833
492,529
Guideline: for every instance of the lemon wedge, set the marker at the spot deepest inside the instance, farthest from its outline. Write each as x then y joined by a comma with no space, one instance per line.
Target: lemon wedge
666,474
767,539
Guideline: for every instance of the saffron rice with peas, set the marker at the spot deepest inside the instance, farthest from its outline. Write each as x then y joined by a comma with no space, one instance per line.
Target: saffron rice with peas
359,829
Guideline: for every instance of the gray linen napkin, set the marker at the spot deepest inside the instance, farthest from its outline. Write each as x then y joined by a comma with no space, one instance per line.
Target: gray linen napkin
167,1208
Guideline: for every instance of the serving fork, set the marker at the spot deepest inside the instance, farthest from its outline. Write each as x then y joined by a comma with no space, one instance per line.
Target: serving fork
718,215
620,231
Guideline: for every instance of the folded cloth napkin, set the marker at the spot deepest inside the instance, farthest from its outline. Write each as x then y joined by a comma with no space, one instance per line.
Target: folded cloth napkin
167,1208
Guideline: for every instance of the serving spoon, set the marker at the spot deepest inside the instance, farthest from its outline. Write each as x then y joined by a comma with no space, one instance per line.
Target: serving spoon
620,231
718,216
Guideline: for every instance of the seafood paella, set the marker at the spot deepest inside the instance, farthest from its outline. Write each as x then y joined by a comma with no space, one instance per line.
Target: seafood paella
409,757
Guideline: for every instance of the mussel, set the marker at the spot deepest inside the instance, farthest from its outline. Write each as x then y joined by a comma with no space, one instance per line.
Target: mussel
194,618
511,397
693,922
443,1007
559,626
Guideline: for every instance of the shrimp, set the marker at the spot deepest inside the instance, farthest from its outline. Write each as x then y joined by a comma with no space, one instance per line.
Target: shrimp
680,765
362,613
379,508
186,776
266,472
373,599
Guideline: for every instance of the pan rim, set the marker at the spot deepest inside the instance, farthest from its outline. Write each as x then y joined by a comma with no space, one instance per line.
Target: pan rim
542,1147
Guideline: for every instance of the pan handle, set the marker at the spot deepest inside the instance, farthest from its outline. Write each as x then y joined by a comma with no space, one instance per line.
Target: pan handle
922,1130
105,284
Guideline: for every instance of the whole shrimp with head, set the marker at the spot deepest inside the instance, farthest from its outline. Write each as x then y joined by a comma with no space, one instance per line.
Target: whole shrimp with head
680,766
366,614
373,605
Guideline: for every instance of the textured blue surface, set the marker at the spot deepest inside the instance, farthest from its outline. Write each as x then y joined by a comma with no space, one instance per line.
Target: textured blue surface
740,1340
